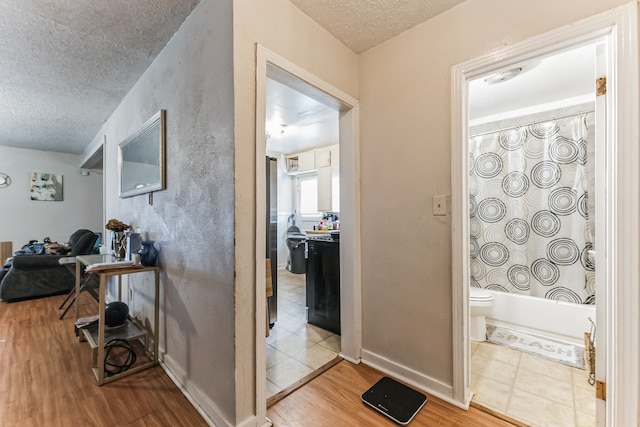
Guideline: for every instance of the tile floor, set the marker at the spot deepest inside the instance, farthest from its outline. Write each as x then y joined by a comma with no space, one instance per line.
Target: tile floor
530,389
295,348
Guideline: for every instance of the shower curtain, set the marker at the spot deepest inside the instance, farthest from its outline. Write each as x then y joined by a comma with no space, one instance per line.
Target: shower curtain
529,209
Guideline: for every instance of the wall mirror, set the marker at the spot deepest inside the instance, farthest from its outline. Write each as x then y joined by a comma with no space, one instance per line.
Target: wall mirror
141,158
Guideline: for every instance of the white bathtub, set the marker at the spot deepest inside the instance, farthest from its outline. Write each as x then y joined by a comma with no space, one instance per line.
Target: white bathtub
553,319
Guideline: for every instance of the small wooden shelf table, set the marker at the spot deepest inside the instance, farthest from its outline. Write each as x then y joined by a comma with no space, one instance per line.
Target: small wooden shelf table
96,335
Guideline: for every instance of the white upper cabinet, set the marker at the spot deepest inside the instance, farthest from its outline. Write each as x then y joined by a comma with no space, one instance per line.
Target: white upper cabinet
323,157
306,161
312,160
324,189
335,155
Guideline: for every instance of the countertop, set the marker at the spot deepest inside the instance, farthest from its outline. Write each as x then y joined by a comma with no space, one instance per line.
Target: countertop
318,231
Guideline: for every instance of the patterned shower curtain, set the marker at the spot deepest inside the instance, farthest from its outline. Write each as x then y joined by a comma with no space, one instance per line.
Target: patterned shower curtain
529,209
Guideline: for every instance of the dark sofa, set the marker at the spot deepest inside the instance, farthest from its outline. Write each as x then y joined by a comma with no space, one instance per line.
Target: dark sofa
34,276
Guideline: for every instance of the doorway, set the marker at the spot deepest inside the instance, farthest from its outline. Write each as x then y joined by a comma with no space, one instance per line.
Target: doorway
615,281
532,188
302,145
271,65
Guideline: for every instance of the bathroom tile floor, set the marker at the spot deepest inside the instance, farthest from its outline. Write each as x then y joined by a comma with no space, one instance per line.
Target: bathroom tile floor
295,348
530,389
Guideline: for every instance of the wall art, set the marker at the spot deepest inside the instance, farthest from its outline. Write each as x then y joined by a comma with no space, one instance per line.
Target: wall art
46,187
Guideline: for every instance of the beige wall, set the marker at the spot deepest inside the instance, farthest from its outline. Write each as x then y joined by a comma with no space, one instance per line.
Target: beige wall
404,92
286,31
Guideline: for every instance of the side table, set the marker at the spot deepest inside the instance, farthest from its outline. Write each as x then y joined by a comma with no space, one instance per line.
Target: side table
96,335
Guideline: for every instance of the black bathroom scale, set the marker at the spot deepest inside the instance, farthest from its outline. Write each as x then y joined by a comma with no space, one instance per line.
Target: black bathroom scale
395,400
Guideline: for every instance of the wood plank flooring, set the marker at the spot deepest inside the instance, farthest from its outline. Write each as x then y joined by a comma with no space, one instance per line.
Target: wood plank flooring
333,399
46,378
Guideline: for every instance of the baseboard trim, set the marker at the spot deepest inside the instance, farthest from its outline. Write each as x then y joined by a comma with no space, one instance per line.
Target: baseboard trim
253,421
411,377
500,415
350,360
207,409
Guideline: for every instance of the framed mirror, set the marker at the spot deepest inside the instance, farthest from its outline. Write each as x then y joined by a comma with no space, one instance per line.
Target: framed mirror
141,158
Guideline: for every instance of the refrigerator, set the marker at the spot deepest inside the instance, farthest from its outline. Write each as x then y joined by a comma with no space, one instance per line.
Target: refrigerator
271,215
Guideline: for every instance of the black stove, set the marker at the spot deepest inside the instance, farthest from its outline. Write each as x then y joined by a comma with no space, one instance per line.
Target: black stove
321,238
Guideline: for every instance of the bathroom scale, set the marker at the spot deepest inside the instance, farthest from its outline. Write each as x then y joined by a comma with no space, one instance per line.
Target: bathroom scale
395,400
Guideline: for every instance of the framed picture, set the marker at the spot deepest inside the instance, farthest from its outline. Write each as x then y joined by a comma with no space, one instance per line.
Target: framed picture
46,187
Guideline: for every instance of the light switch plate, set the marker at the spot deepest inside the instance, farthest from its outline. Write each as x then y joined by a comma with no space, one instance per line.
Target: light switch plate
440,205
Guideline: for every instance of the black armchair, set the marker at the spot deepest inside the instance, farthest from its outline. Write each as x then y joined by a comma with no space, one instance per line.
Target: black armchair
33,276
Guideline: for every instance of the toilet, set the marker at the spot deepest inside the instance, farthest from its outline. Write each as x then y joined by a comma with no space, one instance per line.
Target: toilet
481,303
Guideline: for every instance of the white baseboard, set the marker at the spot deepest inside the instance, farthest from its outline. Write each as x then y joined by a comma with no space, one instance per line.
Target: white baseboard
205,406
253,421
349,359
411,377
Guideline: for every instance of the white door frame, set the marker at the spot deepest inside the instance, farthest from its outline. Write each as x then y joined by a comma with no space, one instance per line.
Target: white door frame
618,255
350,254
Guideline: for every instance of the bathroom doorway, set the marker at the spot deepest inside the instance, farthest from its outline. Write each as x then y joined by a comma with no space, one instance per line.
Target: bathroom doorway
607,32
532,188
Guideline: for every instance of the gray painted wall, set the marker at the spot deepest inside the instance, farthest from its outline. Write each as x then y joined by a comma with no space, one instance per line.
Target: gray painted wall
192,220
23,219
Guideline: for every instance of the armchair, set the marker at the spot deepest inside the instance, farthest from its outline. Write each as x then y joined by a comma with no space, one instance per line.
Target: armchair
34,276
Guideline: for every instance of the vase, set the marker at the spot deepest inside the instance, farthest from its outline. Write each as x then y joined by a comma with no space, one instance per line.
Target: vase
119,244
148,253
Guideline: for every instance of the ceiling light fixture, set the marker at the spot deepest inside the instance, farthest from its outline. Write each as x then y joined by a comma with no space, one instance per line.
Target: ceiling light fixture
503,76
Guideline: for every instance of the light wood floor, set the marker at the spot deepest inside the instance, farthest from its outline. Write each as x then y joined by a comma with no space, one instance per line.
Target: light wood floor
333,399
45,378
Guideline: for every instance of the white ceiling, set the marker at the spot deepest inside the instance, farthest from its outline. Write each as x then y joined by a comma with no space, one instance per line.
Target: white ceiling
558,77
296,122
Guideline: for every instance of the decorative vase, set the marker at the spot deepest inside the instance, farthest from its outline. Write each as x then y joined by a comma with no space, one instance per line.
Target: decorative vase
119,244
148,253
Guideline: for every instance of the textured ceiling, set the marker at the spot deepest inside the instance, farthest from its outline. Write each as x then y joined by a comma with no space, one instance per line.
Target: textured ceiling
66,64
362,24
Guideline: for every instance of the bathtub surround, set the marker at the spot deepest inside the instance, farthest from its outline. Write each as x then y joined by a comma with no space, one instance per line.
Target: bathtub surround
557,351
557,320
529,207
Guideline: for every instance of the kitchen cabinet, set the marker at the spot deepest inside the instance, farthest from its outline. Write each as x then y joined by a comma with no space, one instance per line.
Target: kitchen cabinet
328,189
324,189
301,162
323,157
306,161
323,284
335,154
